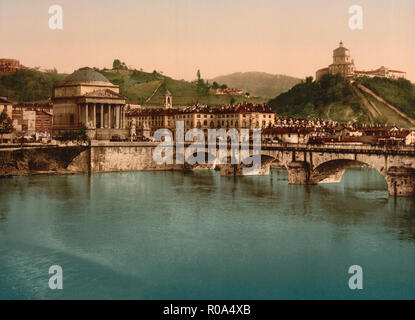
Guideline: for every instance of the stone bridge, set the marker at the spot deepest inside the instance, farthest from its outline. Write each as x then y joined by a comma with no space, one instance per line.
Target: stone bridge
306,164
310,164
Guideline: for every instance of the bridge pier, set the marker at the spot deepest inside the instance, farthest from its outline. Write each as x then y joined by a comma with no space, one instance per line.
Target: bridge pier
401,181
299,172
237,169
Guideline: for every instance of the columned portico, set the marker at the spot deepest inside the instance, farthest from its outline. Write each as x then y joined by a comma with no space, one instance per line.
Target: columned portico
99,108
101,115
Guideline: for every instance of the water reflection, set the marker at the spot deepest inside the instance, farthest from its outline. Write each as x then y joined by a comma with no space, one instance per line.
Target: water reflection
175,227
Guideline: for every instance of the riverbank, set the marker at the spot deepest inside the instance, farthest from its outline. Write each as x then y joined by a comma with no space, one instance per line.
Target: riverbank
39,160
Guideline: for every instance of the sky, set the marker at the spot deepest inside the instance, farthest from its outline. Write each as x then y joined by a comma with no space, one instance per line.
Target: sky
178,37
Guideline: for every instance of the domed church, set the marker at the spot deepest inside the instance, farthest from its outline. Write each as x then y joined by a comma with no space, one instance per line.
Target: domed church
87,98
342,64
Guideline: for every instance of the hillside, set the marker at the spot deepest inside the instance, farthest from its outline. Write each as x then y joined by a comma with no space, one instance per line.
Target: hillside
29,85
137,86
259,84
148,89
400,92
334,98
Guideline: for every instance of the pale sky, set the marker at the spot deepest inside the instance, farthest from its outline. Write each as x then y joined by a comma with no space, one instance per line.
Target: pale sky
293,37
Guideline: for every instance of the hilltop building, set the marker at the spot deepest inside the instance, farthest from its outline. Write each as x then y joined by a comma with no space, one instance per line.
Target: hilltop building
344,65
87,98
10,66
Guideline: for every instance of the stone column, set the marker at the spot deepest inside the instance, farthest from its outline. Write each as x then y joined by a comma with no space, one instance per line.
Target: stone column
95,115
102,115
78,116
117,116
120,115
123,117
86,114
109,116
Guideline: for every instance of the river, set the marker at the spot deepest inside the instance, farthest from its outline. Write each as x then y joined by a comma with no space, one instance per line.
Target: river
197,235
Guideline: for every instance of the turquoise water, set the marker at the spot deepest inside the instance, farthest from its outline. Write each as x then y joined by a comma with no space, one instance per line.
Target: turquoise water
174,235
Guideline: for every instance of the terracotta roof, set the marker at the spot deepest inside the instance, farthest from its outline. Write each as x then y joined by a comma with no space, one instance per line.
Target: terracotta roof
322,69
234,109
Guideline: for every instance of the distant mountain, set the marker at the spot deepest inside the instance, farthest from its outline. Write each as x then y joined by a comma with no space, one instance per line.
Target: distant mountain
259,84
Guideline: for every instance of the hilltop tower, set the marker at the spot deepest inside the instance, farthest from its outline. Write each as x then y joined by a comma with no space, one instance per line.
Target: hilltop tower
342,64
168,100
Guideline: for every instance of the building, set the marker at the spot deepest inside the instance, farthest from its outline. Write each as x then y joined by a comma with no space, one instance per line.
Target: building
240,116
168,100
343,64
10,66
228,91
86,99
33,120
410,138
6,105
382,72
287,135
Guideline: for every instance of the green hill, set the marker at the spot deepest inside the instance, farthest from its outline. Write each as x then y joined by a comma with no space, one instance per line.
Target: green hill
259,84
29,85
400,92
138,86
148,89
336,99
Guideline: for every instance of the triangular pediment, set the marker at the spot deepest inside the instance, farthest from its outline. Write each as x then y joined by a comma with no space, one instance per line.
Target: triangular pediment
103,93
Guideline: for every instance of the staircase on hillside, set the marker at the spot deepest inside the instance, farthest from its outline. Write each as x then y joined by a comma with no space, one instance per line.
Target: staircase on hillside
381,100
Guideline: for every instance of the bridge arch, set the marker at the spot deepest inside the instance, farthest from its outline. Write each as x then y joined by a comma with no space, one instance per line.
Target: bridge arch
400,179
333,170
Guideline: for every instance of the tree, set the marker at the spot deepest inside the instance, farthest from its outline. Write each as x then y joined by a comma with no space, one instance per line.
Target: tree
198,75
232,100
215,85
6,124
119,65
223,86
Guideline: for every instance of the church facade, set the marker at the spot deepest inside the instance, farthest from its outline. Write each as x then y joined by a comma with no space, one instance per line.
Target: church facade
86,99
344,65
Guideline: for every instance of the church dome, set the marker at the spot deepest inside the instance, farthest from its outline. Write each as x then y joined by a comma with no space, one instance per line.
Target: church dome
341,50
85,75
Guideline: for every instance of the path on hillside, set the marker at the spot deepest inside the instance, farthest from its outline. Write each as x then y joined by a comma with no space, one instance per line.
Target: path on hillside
374,111
381,100
155,91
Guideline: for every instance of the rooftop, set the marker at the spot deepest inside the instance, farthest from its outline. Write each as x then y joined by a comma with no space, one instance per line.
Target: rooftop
85,75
